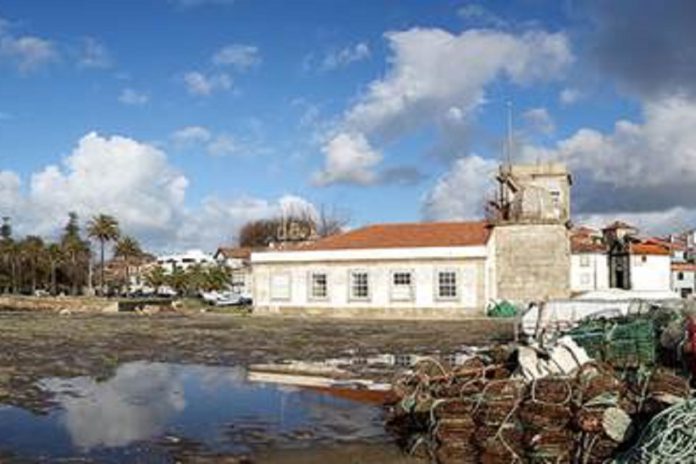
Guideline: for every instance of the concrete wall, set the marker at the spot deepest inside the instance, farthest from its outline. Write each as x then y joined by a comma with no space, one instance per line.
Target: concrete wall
650,272
589,271
423,301
532,261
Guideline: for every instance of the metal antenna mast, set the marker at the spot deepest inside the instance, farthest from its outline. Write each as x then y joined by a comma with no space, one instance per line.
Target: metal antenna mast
508,151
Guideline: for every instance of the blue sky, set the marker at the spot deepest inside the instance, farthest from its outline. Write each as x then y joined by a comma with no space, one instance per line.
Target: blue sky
186,118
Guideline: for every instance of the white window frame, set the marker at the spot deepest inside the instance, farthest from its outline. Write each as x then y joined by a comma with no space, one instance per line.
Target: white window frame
270,282
310,289
351,296
457,284
584,260
411,286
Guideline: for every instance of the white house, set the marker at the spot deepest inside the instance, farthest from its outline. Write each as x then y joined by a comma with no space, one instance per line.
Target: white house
589,266
238,260
617,258
185,260
447,269
684,279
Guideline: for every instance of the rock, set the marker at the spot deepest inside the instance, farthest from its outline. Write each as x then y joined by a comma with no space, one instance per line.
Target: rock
149,310
110,308
64,312
178,304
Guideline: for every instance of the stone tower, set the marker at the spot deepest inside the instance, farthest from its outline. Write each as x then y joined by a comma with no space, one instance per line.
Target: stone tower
531,242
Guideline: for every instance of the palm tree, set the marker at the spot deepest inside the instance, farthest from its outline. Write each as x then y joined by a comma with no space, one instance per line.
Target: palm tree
55,255
156,277
32,249
127,248
103,228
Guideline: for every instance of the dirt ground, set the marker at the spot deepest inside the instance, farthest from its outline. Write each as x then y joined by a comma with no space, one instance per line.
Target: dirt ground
34,345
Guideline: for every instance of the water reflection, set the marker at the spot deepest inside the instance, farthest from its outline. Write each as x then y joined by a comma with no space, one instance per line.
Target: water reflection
126,416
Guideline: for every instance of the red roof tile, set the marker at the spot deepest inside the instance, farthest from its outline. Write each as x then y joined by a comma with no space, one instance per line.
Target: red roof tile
684,267
646,248
409,235
235,252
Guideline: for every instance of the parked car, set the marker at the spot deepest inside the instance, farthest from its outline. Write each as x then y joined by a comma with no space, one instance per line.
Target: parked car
233,299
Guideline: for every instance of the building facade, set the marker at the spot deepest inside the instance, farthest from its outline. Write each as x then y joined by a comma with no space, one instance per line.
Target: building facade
521,253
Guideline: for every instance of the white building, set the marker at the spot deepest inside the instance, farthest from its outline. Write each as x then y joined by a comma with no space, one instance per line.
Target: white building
618,258
238,260
684,279
185,260
448,269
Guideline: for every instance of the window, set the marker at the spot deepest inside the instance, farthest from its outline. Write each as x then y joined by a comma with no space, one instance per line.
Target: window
680,276
584,261
280,286
447,285
359,285
401,288
318,286
643,259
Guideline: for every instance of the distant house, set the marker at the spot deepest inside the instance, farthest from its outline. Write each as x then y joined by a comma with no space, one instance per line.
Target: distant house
617,257
238,260
184,260
447,269
684,279
589,261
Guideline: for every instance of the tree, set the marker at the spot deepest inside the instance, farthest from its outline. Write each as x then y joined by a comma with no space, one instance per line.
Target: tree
331,221
156,277
127,248
54,253
76,252
179,280
32,250
103,228
258,234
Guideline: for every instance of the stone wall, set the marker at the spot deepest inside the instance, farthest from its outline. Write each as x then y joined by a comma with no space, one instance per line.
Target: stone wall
532,261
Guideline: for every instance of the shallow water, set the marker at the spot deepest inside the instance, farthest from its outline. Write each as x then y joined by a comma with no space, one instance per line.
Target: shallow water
151,411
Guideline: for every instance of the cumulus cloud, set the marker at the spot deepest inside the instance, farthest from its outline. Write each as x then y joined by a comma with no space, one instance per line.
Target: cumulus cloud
130,96
460,193
480,15
204,85
94,54
345,56
136,183
539,120
349,159
27,53
238,56
438,79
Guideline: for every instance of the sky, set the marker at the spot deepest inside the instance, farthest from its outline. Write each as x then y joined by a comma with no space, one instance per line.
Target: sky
187,118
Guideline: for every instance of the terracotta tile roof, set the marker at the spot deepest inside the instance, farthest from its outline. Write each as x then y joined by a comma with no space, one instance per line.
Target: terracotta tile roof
684,267
648,248
234,252
408,235
586,246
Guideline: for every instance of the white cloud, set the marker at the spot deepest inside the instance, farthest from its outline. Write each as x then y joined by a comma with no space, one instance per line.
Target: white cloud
432,71
94,54
136,183
349,158
205,85
28,53
568,96
191,135
218,143
460,193
539,120
345,56
133,97
239,56
480,15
